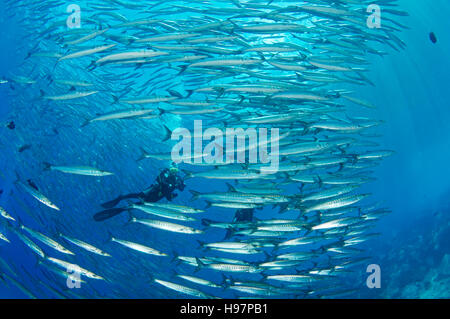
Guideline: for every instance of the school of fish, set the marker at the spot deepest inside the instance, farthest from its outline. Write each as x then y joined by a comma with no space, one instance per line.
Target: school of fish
95,107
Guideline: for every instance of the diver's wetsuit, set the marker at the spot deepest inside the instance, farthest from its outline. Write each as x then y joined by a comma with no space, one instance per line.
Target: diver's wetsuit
242,215
166,185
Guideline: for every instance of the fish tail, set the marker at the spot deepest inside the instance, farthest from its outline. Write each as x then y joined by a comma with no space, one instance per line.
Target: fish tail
195,195
283,207
208,204
190,92
206,222
200,264
161,111
183,68
231,188
201,243
188,176
175,93
85,123
115,98
167,134
318,180
229,233
131,218
50,79
92,66
144,154
110,237
226,282
47,166
175,257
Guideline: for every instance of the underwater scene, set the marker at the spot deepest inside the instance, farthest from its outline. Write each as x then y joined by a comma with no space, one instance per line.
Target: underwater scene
233,149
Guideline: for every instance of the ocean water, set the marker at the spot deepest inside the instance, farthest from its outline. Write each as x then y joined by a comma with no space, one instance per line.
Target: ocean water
410,91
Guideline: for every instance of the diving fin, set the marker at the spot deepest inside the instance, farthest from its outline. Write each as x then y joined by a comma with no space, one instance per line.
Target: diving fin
109,213
112,203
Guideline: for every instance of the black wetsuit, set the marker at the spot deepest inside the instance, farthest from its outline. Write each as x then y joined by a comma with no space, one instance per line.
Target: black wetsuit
166,185
242,215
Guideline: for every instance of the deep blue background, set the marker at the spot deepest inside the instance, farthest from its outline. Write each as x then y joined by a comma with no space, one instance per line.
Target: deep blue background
412,94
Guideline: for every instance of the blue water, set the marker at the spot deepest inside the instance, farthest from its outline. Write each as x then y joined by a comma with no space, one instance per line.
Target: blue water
411,93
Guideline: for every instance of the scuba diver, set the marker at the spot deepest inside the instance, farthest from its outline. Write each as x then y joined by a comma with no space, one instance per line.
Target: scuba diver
167,182
242,215
11,125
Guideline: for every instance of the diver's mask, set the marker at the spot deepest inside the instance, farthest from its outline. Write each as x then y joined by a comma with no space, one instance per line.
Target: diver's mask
173,169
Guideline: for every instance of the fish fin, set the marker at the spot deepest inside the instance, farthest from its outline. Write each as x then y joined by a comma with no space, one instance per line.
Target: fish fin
195,194
275,249
199,262
173,273
229,233
39,259
190,92
231,188
92,66
47,166
144,154
167,134
201,243
188,175
175,93
300,188
226,282
183,68
110,237
318,180
220,92
206,222
85,123
32,184
175,256
131,218
283,207
161,111
19,222
130,204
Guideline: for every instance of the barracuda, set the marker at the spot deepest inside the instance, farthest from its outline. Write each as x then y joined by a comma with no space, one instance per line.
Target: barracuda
46,240
37,195
299,71
183,289
138,247
171,227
